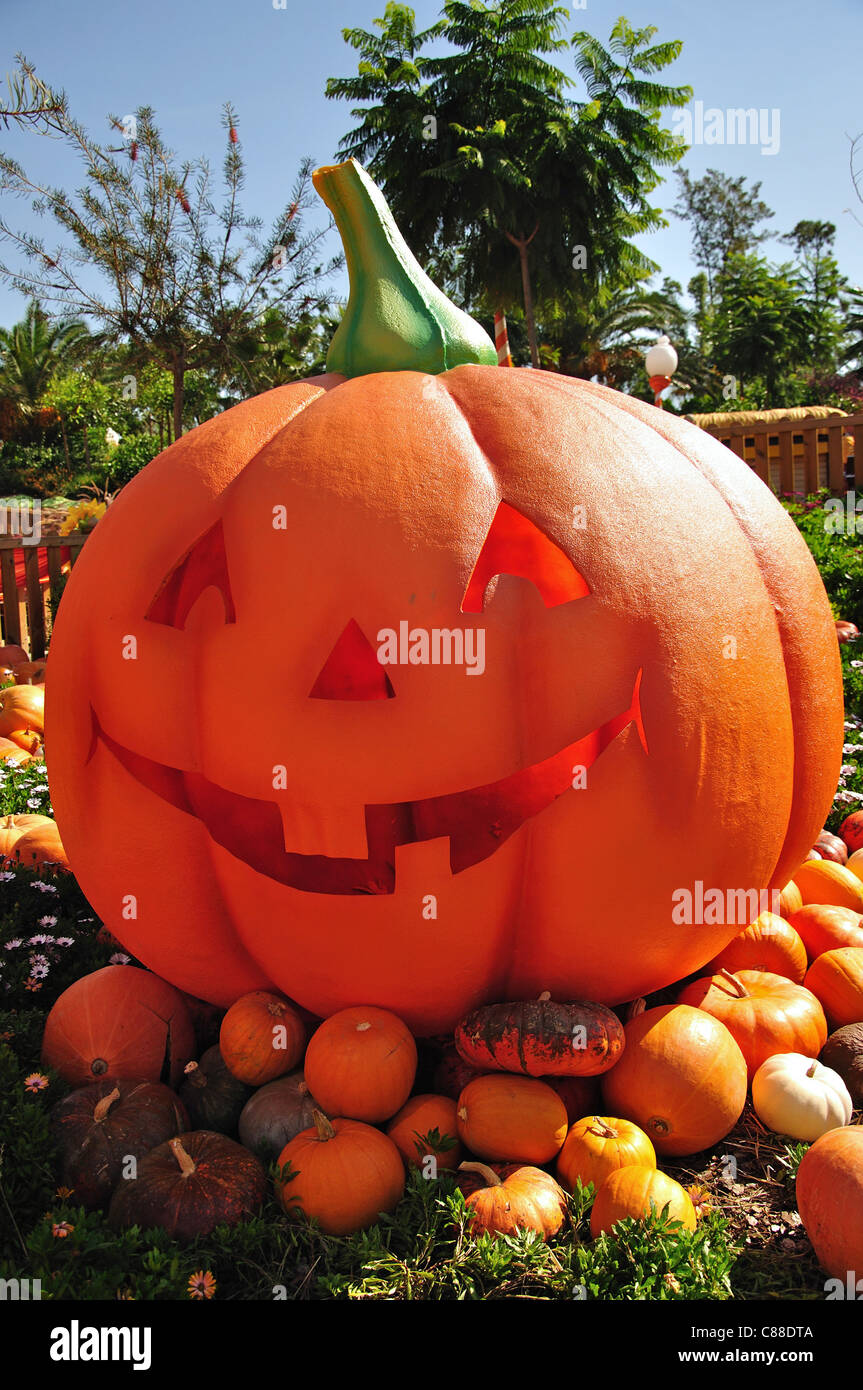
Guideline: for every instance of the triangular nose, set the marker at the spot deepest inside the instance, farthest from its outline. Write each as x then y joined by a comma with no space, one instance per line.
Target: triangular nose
352,670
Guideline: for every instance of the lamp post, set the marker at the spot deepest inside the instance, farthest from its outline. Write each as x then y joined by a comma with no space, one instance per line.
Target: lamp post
661,364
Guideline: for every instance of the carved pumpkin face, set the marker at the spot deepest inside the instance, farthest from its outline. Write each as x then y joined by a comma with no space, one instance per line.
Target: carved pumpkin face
251,800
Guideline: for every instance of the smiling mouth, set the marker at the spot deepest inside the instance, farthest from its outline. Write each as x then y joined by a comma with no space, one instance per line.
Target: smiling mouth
476,821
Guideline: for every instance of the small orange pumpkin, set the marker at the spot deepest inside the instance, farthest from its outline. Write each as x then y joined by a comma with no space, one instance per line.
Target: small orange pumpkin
14,826
597,1145
765,1013
790,899
830,1200
261,1037
825,927
347,1173
836,978
27,739
523,1198
40,847
361,1063
13,753
22,707
851,831
426,1127
768,943
682,1078
119,1022
822,881
633,1191
511,1118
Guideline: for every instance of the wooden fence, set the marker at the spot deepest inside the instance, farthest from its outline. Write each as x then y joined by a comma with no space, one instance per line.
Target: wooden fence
799,455
25,608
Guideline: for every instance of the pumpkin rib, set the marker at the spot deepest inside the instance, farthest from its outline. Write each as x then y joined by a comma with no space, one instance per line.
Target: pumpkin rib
742,495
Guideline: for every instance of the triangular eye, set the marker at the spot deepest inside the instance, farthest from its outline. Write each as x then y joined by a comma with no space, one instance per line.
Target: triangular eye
352,670
205,566
514,545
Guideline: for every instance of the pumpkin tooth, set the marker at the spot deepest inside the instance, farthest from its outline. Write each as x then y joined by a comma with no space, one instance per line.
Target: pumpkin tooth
339,832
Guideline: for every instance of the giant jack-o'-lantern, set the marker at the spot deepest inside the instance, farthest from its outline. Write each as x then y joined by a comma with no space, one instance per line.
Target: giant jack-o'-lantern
252,800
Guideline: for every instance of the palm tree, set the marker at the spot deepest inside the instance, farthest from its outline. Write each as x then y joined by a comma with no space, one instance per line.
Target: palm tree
34,351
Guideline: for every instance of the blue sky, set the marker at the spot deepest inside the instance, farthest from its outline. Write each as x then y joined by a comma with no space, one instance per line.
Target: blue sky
185,58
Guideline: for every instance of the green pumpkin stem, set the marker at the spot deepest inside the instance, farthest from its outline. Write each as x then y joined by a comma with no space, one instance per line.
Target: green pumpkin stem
396,319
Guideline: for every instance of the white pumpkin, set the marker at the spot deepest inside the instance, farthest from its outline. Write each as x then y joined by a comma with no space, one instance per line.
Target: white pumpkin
796,1095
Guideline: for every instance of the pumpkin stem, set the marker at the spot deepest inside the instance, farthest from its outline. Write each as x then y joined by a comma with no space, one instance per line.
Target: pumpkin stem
484,1171
323,1126
740,989
604,1130
396,319
811,1070
104,1105
544,997
186,1162
194,1073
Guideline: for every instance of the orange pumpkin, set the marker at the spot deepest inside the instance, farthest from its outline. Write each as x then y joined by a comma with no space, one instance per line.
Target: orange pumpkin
768,943
824,927
765,1013
13,752
790,899
822,881
830,1201
261,1037
635,1191
361,1063
426,1127
511,1118
597,1145
22,707
524,1198
12,827
682,1078
347,1174
836,978
404,834
851,831
28,739
120,1022
40,847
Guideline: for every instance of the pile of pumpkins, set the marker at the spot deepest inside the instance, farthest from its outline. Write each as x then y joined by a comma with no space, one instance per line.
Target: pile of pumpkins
601,1096
32,840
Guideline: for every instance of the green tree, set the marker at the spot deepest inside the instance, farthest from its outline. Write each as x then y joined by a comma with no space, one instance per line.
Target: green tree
762,326
181,280
482,148
724,216
33,351
823,284
82,403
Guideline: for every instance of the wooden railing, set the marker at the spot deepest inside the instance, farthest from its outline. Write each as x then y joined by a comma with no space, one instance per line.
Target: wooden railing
799,455
25,608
